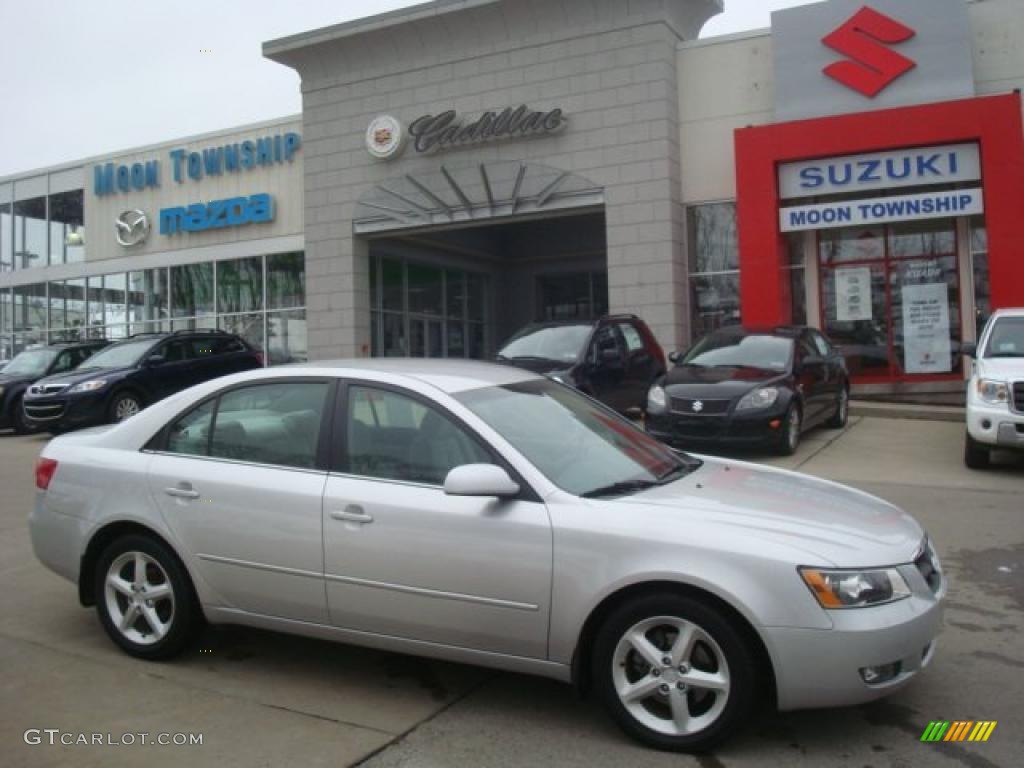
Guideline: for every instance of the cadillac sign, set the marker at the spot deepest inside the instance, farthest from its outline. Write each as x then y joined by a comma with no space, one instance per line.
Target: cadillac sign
448,130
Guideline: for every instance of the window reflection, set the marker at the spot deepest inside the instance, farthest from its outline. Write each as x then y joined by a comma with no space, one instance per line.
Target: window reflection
714,267
30,240
67,227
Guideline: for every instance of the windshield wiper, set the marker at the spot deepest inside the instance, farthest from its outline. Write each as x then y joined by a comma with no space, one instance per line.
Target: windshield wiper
620,489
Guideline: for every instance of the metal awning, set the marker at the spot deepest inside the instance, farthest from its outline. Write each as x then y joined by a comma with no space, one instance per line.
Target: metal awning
474,194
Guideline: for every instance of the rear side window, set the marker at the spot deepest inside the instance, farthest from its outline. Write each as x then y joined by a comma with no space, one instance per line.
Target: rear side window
634,341
276,424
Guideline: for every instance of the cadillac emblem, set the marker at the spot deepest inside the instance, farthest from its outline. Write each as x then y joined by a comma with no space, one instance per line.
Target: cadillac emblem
385,138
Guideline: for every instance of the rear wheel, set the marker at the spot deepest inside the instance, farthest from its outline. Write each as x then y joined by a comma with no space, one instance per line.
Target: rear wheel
123,406
144,598
976,455
674,673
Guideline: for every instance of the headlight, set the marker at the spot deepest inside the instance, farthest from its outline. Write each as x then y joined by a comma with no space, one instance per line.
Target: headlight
993,391
855,589
657,402
759,398
89,386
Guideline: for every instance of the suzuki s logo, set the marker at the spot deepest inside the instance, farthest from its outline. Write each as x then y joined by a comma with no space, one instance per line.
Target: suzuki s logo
698,406
132,227
865,41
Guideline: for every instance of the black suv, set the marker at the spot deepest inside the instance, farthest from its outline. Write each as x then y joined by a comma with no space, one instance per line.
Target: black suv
127,376
615,359
34,364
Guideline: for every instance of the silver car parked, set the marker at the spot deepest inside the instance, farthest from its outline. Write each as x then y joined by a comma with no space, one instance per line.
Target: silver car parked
486,515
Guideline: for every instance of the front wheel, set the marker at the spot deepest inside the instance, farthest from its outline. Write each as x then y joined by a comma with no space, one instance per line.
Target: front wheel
976,455
674,673
788,439
18,423
144,598
122,407
842,414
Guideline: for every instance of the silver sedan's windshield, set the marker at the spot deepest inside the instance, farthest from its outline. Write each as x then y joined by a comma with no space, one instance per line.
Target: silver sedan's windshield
576,443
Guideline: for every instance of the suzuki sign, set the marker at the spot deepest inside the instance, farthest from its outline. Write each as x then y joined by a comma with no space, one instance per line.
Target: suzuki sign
846,56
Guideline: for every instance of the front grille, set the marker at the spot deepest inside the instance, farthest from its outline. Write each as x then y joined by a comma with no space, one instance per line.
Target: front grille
47,389
703,407
45,412
1018,396
929,569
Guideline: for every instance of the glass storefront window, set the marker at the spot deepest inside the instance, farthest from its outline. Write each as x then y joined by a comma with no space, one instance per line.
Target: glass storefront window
28,313
115,298
147,299
979,266
250,327
94,308
240,286
839,246
192,290
286,337
67,227
392,285
30,240
425,286
6,238
713,250
286,280
896,315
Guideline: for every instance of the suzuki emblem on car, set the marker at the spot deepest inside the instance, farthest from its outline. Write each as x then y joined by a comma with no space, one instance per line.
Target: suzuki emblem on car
698,406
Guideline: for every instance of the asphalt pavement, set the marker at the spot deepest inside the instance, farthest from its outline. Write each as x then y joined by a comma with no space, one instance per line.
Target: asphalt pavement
261,699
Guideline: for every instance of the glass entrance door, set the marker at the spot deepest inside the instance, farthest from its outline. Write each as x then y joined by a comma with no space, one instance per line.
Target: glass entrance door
890,299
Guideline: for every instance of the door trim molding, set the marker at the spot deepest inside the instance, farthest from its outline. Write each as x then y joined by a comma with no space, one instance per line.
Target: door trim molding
459,596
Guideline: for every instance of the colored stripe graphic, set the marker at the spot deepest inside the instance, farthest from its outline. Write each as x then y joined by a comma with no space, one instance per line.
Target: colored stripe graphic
959,730
983,730
935,730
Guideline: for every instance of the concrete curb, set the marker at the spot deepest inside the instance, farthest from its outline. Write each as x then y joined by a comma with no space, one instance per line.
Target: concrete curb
907,411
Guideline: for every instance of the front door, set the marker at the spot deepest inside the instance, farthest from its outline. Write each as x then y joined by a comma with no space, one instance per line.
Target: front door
240,483
404,559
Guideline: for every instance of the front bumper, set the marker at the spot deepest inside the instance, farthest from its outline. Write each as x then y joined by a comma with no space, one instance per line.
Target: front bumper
822,668
63,412
995,425
739,429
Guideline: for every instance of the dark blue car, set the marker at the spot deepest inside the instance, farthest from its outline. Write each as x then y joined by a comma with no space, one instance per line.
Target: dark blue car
127,376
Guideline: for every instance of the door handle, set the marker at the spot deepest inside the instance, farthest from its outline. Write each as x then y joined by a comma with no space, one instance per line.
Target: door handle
351,514
183,491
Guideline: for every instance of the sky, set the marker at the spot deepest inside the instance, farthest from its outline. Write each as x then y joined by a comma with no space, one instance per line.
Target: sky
88,77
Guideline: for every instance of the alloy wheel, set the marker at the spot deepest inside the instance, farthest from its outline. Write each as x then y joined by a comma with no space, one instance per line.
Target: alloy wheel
125,408
671,676
793,429
139,598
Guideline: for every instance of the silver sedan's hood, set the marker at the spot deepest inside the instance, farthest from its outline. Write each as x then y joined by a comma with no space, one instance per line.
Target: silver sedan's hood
827,521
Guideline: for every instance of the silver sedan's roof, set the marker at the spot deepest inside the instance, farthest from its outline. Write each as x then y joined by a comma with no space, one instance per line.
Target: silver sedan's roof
1009,312
447,375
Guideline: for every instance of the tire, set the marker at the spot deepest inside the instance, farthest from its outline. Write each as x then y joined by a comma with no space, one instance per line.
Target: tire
123,406
842,414
162,626
718,653
18,419
976,455
788,440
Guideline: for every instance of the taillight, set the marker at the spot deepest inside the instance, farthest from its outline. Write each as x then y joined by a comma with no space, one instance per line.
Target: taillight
44,472
261,359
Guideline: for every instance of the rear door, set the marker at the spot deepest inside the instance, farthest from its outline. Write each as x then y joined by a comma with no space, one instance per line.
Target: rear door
607,368
239,479
172,375
813,378
402,558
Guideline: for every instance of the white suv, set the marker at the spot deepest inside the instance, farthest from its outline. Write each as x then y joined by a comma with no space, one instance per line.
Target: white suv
995,393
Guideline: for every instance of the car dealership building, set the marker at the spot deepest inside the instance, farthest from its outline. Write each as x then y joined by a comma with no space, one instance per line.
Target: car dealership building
464,167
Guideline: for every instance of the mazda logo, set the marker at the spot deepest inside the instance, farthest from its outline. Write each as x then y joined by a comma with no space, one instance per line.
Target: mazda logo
132,227
698,406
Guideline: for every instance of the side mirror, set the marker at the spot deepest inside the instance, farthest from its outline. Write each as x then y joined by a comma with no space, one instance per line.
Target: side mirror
154,360
969,349
675,357
480,480
812,360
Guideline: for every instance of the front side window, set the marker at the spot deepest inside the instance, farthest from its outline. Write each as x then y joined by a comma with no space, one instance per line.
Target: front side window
190,435
394,437
577,444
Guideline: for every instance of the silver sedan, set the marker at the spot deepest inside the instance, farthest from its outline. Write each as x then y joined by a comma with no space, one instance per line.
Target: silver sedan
485,515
